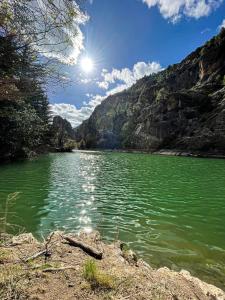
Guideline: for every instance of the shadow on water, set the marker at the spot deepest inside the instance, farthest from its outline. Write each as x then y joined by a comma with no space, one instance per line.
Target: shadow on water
31,180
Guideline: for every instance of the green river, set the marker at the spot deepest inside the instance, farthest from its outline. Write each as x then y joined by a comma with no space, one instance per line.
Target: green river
170,210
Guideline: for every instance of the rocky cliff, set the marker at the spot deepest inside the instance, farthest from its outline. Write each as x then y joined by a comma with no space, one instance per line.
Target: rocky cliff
182,107
63,135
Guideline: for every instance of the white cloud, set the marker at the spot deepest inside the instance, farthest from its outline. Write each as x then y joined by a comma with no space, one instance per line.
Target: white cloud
126,77
95,101
103,85
119,88
222,25
205,30
74,115
123,79
70,112
174,10
65,78
85,80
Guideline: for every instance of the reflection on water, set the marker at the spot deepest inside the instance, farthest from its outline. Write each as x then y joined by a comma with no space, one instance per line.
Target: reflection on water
31,179
171,210
71,198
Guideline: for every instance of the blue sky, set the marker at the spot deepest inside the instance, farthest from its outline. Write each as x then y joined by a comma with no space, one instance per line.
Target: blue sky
133,38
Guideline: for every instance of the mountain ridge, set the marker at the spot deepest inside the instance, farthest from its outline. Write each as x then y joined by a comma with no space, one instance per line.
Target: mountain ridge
181,107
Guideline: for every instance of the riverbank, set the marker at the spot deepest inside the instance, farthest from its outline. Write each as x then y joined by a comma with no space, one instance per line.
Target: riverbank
197,154
56,269
167,152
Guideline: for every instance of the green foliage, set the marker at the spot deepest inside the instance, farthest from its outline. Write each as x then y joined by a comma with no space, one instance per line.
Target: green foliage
97,278
90,270
62,135
21,132
161,94
70,145
48,25
23,103
26,30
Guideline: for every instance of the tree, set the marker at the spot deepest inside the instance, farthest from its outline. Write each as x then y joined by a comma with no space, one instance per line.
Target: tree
33,36
23,104
50,27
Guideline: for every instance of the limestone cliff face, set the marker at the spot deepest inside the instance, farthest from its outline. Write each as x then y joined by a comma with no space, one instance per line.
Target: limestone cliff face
182,107
63,135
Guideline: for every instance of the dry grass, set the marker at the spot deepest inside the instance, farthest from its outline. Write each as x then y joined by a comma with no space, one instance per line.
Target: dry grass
10,282
4,255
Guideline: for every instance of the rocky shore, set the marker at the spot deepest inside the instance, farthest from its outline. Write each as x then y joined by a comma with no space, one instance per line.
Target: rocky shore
190,154
70,266
167,152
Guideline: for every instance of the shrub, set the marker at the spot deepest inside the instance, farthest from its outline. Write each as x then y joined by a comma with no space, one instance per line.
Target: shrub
90,270
97,278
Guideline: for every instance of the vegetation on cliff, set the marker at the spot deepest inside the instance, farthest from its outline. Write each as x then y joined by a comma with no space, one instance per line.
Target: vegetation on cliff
181,107
63,135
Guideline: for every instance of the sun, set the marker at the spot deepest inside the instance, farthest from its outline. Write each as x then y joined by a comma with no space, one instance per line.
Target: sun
87,64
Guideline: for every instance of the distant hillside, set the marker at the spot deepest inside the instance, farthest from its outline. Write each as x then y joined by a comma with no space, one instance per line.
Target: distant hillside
63,135
182,107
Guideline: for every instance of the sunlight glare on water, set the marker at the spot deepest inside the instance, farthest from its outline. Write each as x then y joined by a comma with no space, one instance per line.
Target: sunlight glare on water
170,210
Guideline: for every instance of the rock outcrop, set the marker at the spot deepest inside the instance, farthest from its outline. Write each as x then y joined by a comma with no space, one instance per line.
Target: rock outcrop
63,135
182,107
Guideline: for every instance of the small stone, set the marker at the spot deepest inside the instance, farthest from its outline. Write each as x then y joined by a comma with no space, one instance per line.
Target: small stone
71,284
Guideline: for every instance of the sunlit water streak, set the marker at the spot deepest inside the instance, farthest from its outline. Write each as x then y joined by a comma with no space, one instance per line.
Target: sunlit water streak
171,210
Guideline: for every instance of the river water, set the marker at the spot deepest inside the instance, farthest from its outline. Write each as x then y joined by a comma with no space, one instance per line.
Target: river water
170,210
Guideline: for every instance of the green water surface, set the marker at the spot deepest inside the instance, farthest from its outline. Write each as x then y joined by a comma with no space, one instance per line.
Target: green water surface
170,210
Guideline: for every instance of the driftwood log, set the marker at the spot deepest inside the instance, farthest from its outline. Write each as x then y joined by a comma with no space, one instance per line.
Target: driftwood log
59,269
36,255
86,248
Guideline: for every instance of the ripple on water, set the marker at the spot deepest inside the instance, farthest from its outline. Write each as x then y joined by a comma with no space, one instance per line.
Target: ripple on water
171,210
